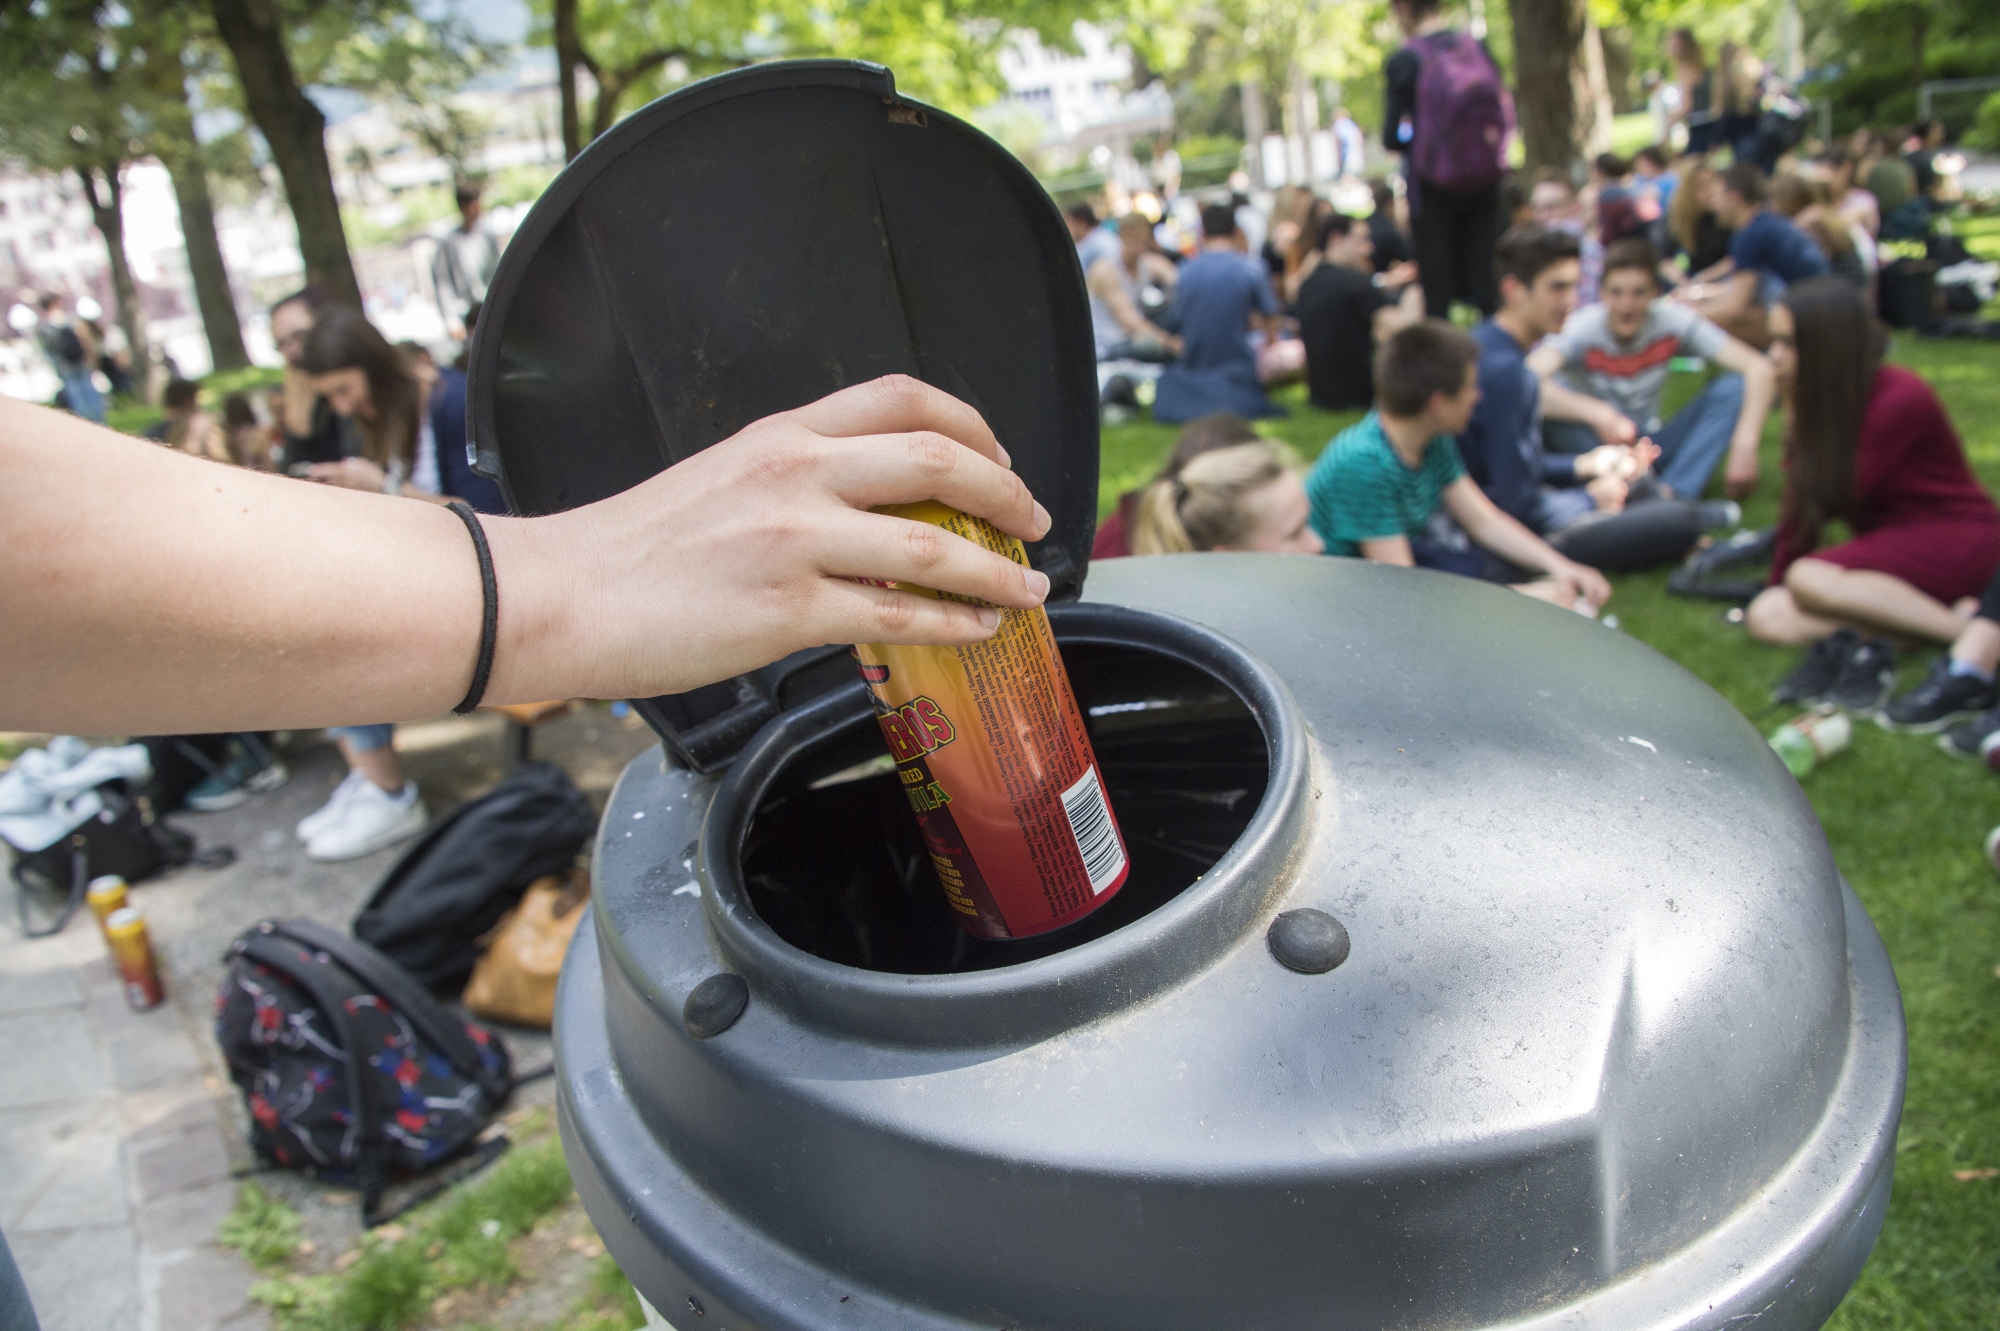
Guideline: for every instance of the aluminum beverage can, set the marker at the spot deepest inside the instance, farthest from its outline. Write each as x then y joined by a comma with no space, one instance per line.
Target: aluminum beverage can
130,948
995,760
105,895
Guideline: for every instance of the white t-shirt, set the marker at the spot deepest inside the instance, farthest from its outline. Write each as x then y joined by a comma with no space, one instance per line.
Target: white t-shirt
1630,375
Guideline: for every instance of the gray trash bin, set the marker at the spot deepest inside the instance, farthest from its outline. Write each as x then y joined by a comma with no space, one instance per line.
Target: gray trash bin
1478,965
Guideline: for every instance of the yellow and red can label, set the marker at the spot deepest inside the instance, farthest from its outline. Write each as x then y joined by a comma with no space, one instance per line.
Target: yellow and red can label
994,759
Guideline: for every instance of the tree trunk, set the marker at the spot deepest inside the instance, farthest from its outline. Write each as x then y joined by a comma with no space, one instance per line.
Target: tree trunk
296,133
204,251
1594,91
107,210
569,56
1548,69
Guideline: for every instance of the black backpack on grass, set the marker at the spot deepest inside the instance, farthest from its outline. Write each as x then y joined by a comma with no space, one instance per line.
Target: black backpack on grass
350,1070
468,870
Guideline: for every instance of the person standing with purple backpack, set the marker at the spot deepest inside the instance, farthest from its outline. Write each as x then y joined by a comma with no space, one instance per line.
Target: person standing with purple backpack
1448,113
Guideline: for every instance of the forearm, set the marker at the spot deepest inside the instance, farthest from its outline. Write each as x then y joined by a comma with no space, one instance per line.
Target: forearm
171,602
1759,387
1563,403
1505,536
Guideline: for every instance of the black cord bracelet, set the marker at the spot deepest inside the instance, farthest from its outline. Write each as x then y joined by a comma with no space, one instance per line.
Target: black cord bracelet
489,589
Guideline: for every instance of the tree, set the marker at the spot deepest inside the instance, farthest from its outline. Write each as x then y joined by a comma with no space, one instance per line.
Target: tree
61,111
295,131
945,51
1559,89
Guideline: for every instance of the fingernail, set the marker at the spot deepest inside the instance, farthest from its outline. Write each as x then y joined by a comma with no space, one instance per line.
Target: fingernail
989,618
1042,519
1038,583
1006,458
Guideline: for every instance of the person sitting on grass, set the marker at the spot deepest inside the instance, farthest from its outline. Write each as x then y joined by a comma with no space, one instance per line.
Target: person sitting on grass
1616,355
1223,295
1244,497
1603,507
187,427
1118,322
1343,309
1869,445
1219,429
1959,688
1766,255
1376,489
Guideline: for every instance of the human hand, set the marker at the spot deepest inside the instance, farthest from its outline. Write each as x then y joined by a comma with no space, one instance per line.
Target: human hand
350,474
1613,427
1740,477
755,548
1580,582
1608,493
1399,274
1604,460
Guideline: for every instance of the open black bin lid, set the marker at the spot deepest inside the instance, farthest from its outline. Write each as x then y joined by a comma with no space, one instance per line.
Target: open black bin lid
754,242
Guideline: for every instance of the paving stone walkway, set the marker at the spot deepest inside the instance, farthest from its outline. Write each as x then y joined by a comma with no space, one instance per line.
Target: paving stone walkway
121,1137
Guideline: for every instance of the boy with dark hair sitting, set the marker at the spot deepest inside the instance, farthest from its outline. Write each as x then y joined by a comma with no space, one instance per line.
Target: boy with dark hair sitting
1602,507
1343,311
1380,485
1616,355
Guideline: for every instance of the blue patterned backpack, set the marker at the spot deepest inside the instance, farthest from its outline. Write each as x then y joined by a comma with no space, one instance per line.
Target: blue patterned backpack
350,1070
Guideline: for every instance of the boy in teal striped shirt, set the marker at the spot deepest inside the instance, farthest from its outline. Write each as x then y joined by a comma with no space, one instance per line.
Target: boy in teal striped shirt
1374,489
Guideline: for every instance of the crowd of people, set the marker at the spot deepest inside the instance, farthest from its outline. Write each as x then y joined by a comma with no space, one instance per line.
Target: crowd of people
1534,448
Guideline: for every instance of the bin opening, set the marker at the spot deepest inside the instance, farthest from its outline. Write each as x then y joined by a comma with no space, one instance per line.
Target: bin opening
834,863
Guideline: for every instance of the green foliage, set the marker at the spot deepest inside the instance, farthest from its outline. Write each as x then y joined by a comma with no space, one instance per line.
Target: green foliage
610,1305
458,1241
262,1228
1985,131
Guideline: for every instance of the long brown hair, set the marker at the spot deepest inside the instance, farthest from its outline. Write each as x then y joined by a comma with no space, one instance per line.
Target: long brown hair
1839,346
342,339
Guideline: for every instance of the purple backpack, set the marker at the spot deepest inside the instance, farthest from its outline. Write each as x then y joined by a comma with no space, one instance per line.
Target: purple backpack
1464,114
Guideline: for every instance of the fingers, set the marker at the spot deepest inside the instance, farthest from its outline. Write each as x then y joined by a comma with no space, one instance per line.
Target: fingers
897,404
889,549
905,468
855,612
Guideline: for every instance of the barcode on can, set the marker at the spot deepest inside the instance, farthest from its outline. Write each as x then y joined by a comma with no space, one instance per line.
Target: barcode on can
1096,836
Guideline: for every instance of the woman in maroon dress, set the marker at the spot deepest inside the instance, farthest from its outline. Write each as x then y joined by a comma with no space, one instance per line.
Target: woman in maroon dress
1870,446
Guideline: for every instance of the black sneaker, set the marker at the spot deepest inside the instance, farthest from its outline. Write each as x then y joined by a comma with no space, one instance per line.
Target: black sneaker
1963,740
1937,702
1813,676
1866,677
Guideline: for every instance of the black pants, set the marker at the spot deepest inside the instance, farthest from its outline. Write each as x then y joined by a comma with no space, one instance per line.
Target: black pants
1453,235
1989,600
1646,533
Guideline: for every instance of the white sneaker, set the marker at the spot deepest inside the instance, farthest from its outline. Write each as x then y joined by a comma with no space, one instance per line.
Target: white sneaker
311,825
370,819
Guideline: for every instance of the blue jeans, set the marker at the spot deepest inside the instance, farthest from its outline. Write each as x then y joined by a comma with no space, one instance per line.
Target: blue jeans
1690,444
81,395
365,739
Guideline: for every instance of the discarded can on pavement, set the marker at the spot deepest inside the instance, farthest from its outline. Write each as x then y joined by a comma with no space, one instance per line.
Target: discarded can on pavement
1805,742
994,759
105,896
130,948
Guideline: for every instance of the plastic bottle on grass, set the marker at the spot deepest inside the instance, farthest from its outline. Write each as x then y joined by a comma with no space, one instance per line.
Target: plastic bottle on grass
1805,742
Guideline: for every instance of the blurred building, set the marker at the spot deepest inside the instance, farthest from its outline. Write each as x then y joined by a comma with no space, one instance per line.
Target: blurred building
1084,98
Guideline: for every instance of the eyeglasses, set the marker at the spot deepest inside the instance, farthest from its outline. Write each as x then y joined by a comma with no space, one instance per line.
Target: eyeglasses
292,339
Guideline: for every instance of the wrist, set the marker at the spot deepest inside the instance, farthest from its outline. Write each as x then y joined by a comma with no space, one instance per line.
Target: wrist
543,645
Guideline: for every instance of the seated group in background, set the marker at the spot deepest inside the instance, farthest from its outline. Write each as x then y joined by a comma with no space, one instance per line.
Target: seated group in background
1344,308
1766,255
1613,358
1601,507
1381,486
1241,497
1872,447
1115,283
1222,296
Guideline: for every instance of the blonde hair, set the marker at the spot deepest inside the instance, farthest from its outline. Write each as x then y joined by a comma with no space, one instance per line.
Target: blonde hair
1203,508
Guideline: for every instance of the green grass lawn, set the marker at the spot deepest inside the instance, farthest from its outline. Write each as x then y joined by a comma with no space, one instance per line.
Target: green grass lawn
1905,823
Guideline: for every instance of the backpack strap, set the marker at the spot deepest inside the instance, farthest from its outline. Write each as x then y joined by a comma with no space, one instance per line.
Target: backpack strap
263,945
79,876
408,997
